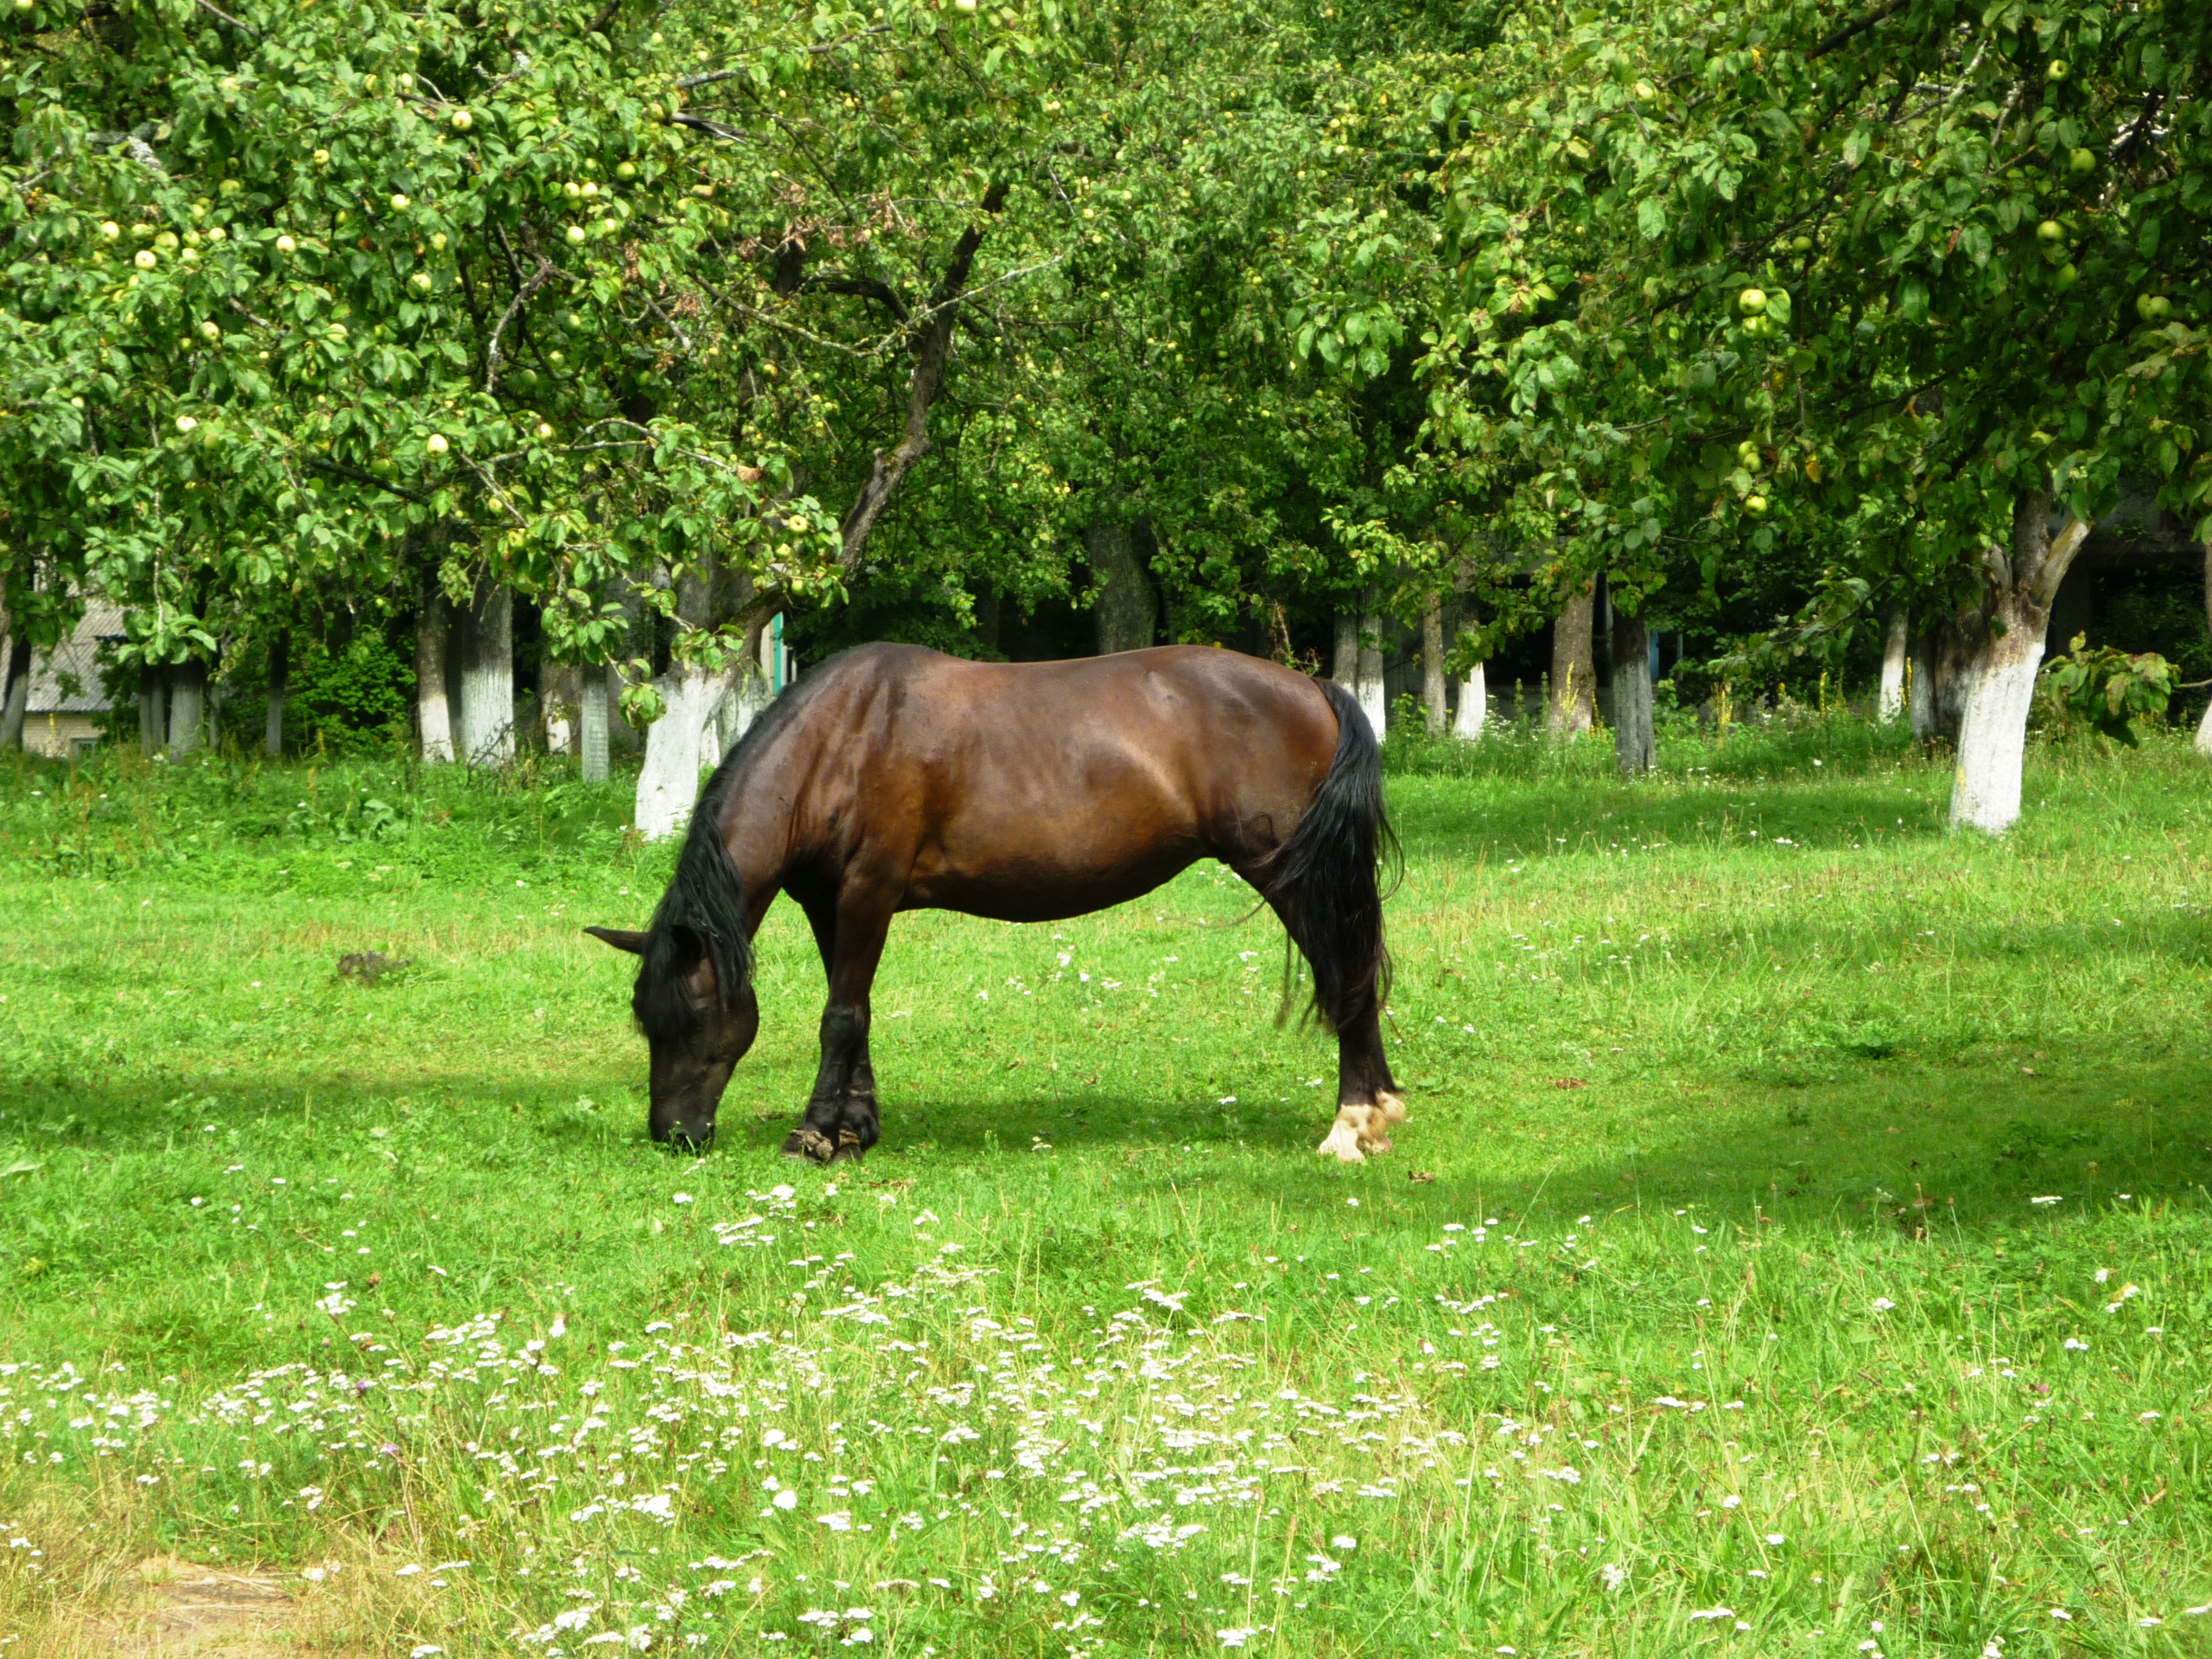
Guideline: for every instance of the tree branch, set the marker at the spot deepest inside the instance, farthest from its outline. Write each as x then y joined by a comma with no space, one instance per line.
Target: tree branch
521,298
865,288
930,359
214,10
1851,31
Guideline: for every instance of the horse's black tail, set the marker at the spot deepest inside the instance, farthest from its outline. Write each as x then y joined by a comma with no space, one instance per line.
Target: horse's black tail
1325,883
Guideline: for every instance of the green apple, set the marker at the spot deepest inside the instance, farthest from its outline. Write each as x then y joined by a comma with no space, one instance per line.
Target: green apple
438,241
1748,452
285,245
463,120
2051,231
109,230
1801,245
400,203
2058,69
1755,505
626,170
421,281
186,424
437,445
2065,276
575,233
2082,160
1751,301
211,330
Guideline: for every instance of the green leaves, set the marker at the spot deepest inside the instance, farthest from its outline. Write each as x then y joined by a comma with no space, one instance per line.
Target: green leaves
2111,690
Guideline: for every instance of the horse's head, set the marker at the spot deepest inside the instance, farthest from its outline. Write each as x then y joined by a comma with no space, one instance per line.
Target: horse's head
697,1033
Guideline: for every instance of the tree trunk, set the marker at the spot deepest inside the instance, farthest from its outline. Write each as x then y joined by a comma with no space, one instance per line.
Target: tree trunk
1344,666
2000,674
1574,679
987,608
1432,665
1373,697
187,706
677,745
280,677
1948,677
1920,688
433,719
488,677
2205,726
675,751
591,723
17,697
153,707
1473,704
1896,636
1634,736
563,683
1128,610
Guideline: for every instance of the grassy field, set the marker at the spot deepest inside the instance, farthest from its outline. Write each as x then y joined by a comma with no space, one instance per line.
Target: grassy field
1798,1244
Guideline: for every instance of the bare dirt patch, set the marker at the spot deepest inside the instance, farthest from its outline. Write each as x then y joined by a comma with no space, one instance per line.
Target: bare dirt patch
174,1609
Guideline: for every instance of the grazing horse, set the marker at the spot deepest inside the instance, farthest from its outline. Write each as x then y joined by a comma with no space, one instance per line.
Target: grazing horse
891,778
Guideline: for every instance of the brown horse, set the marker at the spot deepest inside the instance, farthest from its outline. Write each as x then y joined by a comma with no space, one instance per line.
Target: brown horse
892,779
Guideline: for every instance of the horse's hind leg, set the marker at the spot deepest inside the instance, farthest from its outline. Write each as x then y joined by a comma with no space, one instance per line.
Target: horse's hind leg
1368,1102
842,1121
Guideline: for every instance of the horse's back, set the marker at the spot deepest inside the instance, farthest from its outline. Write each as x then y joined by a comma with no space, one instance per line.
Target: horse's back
1029,790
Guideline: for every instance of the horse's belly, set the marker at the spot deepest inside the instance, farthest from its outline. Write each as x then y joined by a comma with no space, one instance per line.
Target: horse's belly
1052,871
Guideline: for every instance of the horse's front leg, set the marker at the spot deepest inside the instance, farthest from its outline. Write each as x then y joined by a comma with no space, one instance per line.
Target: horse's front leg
841,1121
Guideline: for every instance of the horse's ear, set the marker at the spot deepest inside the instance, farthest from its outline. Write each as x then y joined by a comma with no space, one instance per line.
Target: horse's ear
692,960
621,939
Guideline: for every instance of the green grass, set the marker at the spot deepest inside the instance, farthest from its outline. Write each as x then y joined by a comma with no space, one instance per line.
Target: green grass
1719,1281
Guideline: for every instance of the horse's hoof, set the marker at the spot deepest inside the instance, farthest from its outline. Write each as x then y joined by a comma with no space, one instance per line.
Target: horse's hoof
849,1149
1344,1138
809,1145
1393,1107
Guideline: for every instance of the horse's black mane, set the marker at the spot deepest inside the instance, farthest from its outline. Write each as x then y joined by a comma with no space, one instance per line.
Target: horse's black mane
704,907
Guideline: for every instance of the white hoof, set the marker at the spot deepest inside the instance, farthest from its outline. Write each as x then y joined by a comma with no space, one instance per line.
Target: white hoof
1343,1141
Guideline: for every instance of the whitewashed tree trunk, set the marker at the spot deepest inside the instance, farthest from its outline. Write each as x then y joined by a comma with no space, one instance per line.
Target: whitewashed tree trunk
1374,698
432,718
1473,704
562,692
676,748
592,721
2000,674
1920,688
1896,638
488,678
187,707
